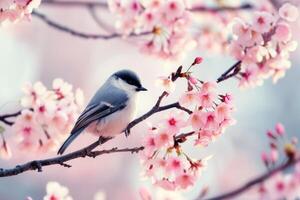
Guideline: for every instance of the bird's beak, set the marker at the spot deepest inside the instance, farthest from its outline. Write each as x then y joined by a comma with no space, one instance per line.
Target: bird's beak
141,89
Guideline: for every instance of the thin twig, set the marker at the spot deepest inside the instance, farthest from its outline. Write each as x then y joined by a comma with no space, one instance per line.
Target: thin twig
92,10
60,160
100,4
88,151
75,3
245,6
4,118
231,72
79,34
255,181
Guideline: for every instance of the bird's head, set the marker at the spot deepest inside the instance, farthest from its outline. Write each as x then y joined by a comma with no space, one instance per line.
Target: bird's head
128,80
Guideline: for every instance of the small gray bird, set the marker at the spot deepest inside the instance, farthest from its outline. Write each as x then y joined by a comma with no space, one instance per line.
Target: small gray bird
111,109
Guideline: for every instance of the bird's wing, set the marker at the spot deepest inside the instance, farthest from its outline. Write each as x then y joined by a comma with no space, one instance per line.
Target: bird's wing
95,112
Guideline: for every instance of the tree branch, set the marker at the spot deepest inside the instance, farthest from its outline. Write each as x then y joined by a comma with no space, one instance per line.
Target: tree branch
79,34
60,160
4,118
95,4
245,6
75,3
88,151
255,181
231,72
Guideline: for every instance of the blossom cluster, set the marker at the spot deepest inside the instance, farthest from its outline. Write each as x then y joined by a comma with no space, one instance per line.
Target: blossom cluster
163,158
281,185
264,45
14,10
56,191
164,22
47,115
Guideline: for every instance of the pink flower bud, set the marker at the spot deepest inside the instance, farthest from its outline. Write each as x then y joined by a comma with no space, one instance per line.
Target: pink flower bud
197,60
279,129
193,80
271,135
274,155
264,157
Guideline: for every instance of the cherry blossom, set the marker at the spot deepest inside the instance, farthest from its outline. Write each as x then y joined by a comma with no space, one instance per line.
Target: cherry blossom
167,23
289,12
55,191
166,83
47,116
264,45
281,185
100,195
13,11
164,159
159,194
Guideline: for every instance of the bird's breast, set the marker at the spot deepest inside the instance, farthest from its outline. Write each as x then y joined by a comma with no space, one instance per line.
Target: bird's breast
115,123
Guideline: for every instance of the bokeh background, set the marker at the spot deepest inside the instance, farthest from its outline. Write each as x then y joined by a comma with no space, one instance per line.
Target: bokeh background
31,51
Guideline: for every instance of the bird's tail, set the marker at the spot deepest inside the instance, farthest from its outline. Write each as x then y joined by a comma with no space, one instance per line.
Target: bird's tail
69,141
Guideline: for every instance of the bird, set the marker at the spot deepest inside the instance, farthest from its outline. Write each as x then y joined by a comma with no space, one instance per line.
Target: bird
111,109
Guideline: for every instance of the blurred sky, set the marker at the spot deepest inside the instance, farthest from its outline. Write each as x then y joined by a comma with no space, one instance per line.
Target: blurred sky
31,51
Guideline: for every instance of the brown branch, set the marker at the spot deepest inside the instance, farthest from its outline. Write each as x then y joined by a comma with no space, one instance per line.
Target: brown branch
231,72
95,4
4,118
66,3
79,34
245,6
75,3
255,181
60,160
88,151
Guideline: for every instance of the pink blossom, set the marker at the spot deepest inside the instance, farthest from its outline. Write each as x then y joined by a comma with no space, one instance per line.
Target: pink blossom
188,99
210,121
55,191
283,32
166,83
149,144
223,111
208,87
145,194
166,184
163,137
279,129
174,164
263,46
197,61
13,11
32,94
289,12
206,99
173,9
185,180
100,195
197,120
174,121
262,22
47,115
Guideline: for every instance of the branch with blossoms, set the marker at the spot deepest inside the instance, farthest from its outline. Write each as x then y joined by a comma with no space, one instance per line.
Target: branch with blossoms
161,28
274,184
44,111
